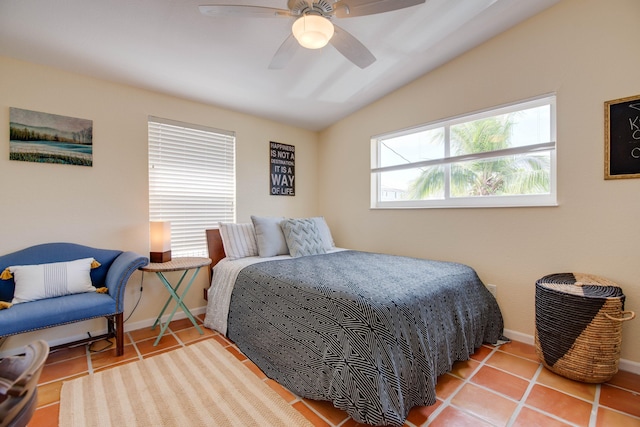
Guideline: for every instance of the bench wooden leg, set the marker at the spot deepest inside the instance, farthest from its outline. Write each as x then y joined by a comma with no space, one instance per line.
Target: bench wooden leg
115,328
119,334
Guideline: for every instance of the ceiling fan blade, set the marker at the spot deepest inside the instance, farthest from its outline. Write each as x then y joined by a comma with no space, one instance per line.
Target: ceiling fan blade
351,48
242,10
285,52
351,8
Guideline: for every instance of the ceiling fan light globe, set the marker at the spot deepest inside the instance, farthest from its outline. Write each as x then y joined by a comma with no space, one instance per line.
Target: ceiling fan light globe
312,31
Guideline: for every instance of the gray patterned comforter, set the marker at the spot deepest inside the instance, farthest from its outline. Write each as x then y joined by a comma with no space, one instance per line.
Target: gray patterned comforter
369,332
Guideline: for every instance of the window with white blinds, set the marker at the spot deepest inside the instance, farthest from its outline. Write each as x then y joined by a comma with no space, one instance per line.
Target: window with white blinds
191,181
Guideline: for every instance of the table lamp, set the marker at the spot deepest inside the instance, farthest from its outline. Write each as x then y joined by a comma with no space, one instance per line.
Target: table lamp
160,241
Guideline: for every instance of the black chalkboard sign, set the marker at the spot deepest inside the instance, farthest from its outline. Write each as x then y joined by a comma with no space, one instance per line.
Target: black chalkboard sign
282,159
622,138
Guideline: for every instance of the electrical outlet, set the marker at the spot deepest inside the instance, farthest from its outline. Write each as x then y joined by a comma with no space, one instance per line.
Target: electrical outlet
493,289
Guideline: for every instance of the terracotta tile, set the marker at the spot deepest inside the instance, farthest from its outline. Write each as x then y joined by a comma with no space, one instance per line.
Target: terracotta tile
282,391
574,388
529,418
144,333
254,368
447,385
66,353
108,357
146,347
237,353
620,399
102,345
521,349
191,334
481,353
213,331
451,416
127,338
562,405
178,325
607,418
501,382
464,369
64,369
626,380
334,415
46,416
49,393
513,364
420,414
222,340
484,404
310,415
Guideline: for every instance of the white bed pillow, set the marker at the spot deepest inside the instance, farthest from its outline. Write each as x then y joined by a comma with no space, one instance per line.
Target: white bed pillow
271,241
303,237
239,240
325,232
40,281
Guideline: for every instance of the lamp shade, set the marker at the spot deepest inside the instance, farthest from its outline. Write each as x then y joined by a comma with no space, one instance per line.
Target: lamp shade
160,241
312,31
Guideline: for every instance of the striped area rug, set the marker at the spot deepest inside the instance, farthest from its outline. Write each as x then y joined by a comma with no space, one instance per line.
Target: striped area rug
198,385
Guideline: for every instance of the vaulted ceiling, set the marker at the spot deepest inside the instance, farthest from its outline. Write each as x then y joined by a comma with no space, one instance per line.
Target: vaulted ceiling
168,46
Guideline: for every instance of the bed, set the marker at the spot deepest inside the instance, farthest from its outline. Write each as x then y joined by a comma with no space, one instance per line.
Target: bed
368,332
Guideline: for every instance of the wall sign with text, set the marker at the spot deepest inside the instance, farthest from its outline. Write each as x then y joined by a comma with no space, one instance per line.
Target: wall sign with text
622,138
282,159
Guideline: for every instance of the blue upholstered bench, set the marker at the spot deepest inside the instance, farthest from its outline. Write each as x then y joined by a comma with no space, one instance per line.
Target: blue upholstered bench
109,275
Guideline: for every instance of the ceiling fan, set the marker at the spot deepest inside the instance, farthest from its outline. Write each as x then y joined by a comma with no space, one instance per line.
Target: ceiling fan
313,27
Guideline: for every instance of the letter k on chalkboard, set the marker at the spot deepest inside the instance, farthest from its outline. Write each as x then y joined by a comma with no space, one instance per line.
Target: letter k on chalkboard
622,138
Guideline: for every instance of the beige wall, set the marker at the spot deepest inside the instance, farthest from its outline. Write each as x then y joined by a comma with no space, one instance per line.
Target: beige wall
106,205
586,51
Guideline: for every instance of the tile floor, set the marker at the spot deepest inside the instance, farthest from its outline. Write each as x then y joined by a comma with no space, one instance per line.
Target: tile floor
504,386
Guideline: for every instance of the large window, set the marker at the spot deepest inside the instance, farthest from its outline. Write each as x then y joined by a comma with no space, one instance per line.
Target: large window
191,181
501,157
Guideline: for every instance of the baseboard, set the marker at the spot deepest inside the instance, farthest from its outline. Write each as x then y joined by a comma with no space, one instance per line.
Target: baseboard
518,336
623,365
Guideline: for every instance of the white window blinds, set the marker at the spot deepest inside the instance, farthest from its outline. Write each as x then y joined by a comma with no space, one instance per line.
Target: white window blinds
191,181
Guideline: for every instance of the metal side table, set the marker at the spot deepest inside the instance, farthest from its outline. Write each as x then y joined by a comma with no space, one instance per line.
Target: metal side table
184,264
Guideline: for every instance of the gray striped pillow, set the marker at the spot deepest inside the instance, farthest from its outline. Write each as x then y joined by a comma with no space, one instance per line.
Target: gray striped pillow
239,240
40,281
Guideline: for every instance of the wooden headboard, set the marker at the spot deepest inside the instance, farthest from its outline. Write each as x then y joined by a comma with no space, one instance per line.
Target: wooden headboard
216,253
214,245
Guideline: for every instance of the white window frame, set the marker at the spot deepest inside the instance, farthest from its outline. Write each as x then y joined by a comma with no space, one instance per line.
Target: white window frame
469,202
192,181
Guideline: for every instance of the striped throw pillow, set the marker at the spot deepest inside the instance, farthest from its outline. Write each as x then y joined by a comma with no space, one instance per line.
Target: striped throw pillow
239,240
40,281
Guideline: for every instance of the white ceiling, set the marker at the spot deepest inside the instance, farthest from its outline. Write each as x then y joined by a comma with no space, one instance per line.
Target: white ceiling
168,46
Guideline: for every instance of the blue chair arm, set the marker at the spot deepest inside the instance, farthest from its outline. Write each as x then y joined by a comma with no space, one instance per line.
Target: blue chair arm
119,273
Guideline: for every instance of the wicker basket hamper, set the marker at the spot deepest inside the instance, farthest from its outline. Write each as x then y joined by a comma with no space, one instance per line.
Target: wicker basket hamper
579,325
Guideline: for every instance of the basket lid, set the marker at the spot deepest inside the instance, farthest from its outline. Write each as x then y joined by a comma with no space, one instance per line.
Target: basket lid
586,285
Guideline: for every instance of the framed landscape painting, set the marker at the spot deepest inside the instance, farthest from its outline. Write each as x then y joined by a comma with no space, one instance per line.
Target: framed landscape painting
50,138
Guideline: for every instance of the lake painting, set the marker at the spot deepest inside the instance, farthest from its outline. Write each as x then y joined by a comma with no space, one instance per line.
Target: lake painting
50,138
